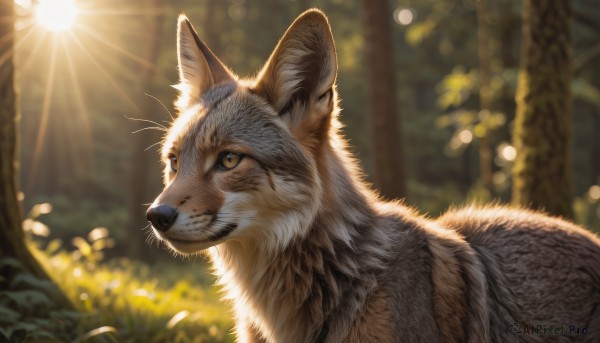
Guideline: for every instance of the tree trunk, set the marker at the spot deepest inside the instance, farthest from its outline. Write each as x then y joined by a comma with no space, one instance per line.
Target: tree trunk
11,233
386,140
506,97
485,148
542,137
12,243
138,179
216,13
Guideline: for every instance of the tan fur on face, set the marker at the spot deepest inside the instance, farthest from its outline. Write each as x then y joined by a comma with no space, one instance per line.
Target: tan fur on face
207,195
307,252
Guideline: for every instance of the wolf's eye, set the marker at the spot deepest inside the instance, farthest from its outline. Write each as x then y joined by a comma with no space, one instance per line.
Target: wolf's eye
228,160
173,163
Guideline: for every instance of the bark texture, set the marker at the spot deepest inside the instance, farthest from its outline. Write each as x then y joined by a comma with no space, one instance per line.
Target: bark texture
542,137
385,132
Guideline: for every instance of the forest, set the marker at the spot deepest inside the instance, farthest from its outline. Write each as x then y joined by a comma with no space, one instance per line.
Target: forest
444,103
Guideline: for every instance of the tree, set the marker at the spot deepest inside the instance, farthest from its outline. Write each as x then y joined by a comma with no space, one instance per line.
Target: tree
385,133
213,17
483,38
12,243
11,234
542,137
138,179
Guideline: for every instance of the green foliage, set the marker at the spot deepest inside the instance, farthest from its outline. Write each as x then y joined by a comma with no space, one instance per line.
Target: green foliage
117,300
68,216
456,87
127,301
454,91
419,31
27,309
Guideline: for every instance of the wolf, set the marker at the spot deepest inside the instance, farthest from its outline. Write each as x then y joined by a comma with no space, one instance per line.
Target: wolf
258,176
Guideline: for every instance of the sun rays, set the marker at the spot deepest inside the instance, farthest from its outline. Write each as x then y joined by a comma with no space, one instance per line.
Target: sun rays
43,117
69,46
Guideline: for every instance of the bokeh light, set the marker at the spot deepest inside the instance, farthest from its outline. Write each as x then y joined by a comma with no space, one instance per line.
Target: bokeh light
594,192
465,136
403,16
508,152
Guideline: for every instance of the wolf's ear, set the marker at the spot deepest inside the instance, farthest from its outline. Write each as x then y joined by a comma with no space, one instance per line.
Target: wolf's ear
199,68
302,68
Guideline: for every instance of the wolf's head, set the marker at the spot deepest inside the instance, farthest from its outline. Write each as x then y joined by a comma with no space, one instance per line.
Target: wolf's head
242,158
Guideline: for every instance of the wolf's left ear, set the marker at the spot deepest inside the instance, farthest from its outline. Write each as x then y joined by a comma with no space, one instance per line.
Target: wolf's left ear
302,68
199,68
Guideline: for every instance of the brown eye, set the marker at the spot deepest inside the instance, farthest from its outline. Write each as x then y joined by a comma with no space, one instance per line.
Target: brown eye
229,160
173,163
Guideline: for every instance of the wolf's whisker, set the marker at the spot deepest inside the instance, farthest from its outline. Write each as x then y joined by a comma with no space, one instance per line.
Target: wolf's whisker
150,128
150,239
161,103
147,121
155,144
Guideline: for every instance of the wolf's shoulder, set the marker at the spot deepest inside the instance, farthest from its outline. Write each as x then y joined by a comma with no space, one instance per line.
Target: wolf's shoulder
517,236
477,222
502,232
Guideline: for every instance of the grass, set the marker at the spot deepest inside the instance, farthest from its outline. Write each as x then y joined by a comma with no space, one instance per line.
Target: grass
118,300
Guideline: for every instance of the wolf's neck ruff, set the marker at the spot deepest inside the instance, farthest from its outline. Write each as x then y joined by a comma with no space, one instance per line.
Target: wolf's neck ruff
306,283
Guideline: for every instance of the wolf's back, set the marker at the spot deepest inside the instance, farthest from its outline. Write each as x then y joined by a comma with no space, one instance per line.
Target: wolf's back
542,273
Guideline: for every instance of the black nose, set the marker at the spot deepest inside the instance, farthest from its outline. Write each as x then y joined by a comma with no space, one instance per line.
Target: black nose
162,217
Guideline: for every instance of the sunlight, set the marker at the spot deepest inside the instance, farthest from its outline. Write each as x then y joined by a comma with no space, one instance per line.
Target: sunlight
118,89
43,126
78,24
56,15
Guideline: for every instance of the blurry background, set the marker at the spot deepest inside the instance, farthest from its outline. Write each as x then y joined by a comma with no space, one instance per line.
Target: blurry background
86,90
79,88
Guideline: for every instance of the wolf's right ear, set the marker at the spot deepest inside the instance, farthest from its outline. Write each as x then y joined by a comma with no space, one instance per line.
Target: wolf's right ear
302,68
199,68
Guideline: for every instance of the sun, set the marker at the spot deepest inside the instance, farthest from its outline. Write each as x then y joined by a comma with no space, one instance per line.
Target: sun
56,15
